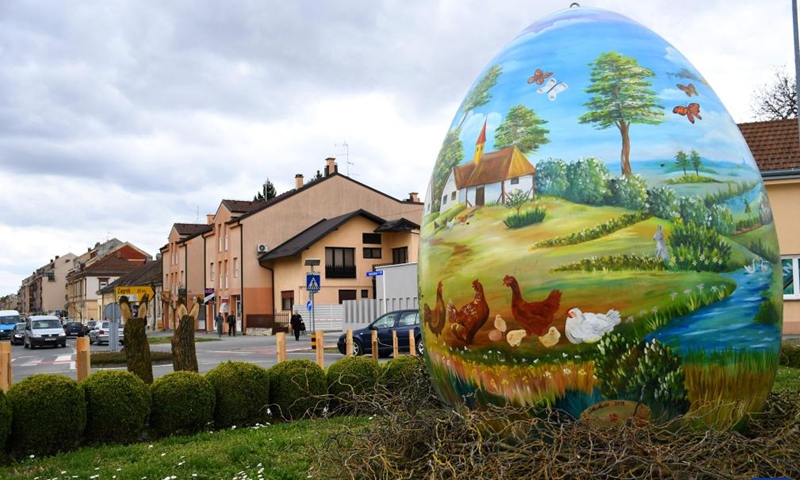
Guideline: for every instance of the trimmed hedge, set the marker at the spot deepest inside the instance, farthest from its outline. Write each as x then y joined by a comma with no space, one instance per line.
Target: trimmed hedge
242,393
5,418
790,355
49,415
402,373
117,406
349,378
183,404
297,388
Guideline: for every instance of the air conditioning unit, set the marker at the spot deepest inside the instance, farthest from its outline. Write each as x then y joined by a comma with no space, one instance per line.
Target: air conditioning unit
262,248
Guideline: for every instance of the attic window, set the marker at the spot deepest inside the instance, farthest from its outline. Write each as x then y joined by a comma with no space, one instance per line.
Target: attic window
371,238
515,181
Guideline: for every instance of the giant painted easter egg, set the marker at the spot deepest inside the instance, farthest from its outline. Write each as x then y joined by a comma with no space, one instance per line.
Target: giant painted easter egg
597,237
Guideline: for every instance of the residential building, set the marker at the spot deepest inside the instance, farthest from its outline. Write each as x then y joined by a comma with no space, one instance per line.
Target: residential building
775,145
45,290
146,275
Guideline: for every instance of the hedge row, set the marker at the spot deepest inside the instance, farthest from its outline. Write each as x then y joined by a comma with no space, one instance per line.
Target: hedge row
46,414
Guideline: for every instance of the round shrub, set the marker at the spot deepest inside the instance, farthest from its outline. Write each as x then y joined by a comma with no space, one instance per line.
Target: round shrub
297,388
403,373
242,393
5,418
183,403
117,406
48,415
350,378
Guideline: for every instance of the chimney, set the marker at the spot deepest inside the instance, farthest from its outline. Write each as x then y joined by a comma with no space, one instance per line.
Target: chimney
209,219
330,166
413,197
298,181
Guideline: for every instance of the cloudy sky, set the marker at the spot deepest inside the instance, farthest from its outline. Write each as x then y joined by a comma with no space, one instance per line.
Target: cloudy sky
119,118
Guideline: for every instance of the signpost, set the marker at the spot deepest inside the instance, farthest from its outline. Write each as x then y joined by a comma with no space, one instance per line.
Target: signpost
134,293
113,314
379,273
313,286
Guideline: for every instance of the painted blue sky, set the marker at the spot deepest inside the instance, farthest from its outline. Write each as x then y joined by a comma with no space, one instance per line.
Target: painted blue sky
566,43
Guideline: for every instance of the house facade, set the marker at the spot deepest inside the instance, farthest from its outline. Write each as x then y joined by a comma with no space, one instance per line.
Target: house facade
776,148
148,274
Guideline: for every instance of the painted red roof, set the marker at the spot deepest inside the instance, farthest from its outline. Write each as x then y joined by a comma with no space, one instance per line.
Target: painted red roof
775,144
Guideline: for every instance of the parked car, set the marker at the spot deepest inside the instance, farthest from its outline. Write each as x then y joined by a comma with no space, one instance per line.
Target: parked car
99,333
74,329
8,318
400,321
18,334
89,326
44,330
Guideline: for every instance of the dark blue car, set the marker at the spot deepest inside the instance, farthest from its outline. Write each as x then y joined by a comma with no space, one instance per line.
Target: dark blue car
400,321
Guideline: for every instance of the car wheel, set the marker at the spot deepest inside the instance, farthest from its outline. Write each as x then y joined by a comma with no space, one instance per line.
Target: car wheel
358,349
25,344
64,345
420,346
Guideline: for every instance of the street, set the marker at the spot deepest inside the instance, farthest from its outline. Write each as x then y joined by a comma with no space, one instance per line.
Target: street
250,348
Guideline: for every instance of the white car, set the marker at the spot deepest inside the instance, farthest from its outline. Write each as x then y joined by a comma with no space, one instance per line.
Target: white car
100,332
44,330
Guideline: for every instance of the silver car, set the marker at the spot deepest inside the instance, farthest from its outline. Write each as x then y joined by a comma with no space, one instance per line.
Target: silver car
99,333
44,330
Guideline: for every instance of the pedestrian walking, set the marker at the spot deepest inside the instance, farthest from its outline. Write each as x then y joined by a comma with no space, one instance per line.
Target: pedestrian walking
231,325
297,325
218,324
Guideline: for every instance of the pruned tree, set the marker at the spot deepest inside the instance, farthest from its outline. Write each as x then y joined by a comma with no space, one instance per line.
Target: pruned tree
695,161
479,94
776,100
449,156
521,128
682,160
622,97
137,346
184,355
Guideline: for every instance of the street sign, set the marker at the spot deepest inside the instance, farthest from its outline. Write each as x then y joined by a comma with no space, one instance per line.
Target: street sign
134,293
312,282
376,273
309,305
209,295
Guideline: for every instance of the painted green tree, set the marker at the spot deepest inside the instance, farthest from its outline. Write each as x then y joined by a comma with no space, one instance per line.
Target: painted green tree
522,128
682,160
621,97
695,161
449,156
479,94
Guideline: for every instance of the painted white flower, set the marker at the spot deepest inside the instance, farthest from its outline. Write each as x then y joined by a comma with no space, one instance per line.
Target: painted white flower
566,371
655,310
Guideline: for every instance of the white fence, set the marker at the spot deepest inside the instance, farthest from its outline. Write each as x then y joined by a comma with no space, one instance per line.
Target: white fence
327,318
359,313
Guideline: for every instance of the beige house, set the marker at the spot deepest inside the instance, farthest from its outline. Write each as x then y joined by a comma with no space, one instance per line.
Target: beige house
776,148
45,290
238,275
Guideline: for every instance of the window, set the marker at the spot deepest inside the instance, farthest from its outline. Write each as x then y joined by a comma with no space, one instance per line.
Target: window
340,262
515,181
103,282
444,199
235,268
372,253
364,293
346,295
400,255
408,319
211,274
791,282
226,241
287,299
226,273
371,238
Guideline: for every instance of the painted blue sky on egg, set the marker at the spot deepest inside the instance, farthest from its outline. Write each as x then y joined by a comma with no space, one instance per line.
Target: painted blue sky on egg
566,43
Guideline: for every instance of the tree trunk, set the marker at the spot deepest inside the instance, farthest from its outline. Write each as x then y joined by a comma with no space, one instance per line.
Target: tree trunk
184,356
625,154
137,349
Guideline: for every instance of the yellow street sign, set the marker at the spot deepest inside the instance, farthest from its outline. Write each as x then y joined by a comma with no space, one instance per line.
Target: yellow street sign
134,293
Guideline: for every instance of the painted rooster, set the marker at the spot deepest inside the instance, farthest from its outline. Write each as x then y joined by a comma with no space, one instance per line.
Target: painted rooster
435,318
470,318
535,317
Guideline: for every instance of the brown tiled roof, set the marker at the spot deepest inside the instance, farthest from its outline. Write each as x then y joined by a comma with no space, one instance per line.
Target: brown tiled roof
498,166
111,265
775,144
147,274
241,206
191,229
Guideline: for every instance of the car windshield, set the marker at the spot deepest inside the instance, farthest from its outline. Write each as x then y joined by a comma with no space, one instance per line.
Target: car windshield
20,326
46,324
9,319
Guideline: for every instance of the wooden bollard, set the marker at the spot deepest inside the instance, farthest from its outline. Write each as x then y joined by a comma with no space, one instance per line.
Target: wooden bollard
375,344
5,366
412,344
348,346
83,362
321,349
280,344
395,349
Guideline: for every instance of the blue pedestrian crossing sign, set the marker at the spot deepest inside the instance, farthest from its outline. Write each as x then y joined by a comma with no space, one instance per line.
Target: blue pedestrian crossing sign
312,282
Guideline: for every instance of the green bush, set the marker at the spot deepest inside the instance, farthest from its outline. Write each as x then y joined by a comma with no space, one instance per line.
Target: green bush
49,415
523,219
790,355
551,177
402,373
297,388
119,358
117,406
663,203
183,403
350,378
628,191
242,392
698,248
5,418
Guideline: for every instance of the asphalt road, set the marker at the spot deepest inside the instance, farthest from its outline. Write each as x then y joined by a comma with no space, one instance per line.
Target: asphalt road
260,350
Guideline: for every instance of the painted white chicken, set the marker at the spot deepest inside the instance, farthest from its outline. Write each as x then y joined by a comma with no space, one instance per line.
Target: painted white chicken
589,327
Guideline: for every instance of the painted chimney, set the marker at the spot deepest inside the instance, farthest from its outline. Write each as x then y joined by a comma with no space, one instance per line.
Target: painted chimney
298,181
413,197
330,166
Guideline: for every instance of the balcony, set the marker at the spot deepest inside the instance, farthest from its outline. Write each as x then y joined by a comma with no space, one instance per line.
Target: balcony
340,271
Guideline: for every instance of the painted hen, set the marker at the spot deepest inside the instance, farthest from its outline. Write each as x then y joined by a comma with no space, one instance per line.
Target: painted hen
535,317
470,318
435,318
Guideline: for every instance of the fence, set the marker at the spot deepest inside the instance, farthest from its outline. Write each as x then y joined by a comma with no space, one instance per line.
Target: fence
327,318
359,313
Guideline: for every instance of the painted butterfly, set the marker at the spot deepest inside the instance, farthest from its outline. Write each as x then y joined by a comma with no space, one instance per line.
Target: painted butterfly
539,76
689,90
552,88
691,111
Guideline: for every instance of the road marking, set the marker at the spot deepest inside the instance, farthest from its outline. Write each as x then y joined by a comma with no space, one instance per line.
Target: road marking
61,359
